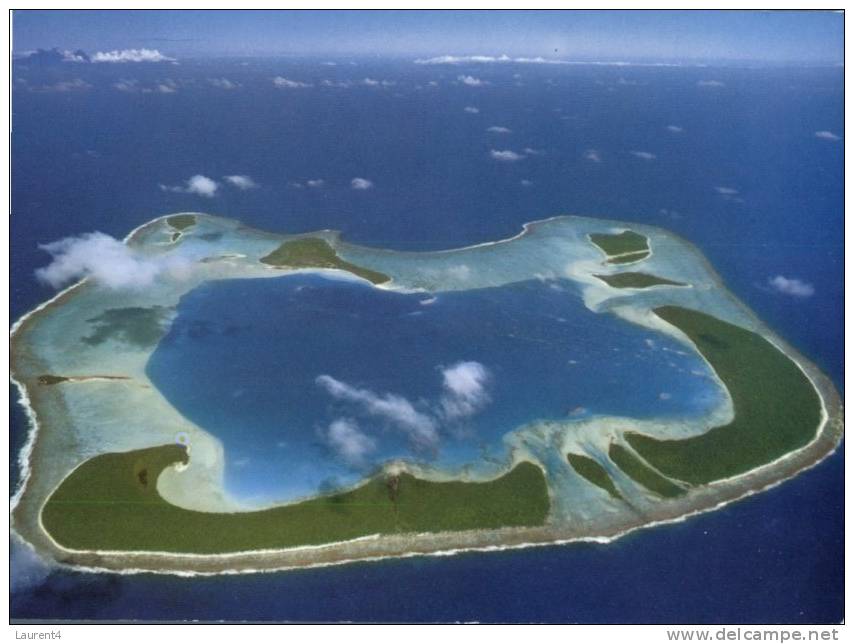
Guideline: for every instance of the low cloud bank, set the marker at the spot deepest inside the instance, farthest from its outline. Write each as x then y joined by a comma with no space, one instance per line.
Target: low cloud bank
107,261
131,56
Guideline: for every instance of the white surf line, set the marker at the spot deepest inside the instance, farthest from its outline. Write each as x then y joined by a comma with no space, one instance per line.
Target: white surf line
525,230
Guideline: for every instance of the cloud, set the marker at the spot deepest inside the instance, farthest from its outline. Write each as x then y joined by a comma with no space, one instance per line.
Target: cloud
527,183
536,60
107,261
710,83
499,129
198,184
241,181
640,154
676,129
286,83
464,387
397,410
827,135
131,85
127,85
223,83
331,83
358,183
723,190
131,56
506,155
458,60
348,442
471,81
469,109
593,155
75,85
534,151
165,87
314,183
372,82
791,286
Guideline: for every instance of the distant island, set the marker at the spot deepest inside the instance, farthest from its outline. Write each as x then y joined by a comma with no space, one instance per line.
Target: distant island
116,478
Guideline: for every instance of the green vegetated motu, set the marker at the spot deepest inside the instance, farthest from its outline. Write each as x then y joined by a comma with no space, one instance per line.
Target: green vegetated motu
777,409
311,252
111,502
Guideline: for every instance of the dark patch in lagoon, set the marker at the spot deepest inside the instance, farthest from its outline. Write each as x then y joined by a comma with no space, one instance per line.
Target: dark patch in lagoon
139,326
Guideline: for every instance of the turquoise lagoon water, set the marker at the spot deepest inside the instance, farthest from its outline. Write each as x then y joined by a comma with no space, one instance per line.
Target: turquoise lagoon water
243,357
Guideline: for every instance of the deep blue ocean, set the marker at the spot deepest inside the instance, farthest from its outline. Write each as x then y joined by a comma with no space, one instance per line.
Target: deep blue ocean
92,158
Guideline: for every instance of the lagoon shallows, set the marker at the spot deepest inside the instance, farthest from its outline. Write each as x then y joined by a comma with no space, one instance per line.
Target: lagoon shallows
243,357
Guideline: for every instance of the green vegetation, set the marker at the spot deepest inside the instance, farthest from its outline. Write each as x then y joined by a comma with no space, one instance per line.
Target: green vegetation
49,379
181,222
777,410
639,472
636,280
311,252
593,472
176,236
627,241
111,502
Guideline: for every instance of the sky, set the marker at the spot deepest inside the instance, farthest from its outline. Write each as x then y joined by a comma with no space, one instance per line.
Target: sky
667,36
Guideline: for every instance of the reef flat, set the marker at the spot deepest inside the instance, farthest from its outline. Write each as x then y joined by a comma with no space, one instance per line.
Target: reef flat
115,477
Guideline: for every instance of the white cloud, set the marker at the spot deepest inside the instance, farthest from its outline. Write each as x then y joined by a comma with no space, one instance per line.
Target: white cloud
469,109
710,83
223,83
464,390
372,82
108,262
286,83
131,56
131,85
127,85
723,190
314,183
457,60
536,60
348,442
640,154
593,155
506,155
499,129
534,151
527,183
827,135
331,83
165,87
241,181
471,81
419,427
358,183
198,184
676,129
791,286
75,85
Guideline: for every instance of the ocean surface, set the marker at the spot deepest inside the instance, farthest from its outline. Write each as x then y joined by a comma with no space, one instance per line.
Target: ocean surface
742,175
